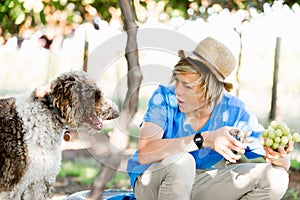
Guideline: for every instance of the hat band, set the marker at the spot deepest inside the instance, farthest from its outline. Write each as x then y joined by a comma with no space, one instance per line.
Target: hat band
213,67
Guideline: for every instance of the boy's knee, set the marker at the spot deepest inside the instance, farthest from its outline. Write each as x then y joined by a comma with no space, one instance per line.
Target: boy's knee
279,180
181,174
182,166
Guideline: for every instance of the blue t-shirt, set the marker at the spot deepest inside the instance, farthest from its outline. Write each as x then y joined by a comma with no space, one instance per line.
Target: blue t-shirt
231,111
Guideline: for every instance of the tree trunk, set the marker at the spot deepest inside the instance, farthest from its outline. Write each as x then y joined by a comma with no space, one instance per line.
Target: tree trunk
119,138
237,74
275,81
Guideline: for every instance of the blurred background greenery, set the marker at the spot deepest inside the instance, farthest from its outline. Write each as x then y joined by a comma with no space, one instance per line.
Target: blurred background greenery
17,15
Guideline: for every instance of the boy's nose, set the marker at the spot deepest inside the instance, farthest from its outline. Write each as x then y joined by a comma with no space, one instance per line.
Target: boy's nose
178,89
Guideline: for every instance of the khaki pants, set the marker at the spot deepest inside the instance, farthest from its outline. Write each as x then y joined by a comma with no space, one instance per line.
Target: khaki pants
175,178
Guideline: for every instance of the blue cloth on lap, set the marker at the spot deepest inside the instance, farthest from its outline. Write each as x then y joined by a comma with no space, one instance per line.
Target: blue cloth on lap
127,196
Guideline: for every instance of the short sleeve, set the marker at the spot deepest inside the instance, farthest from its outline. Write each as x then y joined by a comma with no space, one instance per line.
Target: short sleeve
157,108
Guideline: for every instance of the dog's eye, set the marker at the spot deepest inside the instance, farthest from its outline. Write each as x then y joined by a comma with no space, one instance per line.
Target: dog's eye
71,79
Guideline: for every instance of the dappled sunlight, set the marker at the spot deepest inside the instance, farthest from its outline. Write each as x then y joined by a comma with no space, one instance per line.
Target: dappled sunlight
157,99
226,115
146,178
240,181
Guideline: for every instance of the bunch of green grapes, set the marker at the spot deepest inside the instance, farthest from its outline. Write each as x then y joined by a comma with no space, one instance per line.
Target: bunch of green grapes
278,134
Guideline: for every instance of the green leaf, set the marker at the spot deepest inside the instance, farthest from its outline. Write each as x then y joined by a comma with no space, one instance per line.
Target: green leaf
43,18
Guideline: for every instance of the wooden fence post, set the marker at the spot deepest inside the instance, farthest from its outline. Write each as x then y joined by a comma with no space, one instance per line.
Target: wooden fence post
85,52
273,111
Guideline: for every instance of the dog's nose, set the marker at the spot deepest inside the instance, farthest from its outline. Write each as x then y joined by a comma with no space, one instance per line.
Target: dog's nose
116,114
113,110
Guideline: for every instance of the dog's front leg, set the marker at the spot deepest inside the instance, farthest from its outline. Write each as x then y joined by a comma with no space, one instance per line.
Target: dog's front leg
39,190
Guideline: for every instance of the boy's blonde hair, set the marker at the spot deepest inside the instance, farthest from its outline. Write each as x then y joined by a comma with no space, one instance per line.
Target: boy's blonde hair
211,87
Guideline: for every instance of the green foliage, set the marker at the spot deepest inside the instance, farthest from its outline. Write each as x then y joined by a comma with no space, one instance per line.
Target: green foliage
291,194
295,164
31,14
120,181
103,7
9,12
175,8
85,173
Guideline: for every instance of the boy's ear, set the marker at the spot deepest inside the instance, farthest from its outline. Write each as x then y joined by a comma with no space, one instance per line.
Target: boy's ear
42,91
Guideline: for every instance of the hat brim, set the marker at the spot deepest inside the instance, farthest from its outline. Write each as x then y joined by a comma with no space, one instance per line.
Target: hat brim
191,57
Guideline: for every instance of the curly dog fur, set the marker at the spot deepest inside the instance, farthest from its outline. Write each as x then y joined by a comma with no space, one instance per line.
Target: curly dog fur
32,127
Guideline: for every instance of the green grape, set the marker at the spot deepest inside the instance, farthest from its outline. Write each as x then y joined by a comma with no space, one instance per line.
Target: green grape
265,133
275,146
277,140
269,142
284,140
278,132
275,124
285,130
271,134
296,137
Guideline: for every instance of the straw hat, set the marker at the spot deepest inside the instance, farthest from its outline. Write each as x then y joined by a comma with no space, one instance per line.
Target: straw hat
214,55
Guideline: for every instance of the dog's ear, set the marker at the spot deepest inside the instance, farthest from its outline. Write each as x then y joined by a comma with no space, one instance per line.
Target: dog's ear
42,91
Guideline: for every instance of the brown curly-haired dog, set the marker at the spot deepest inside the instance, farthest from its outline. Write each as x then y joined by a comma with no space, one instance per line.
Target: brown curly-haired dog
32,126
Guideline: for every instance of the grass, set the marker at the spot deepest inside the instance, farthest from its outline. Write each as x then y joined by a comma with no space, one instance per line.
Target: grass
85,173
291,195
295,164
119,181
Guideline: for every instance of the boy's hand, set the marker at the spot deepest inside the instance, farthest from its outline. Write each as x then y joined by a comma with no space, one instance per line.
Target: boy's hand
281,157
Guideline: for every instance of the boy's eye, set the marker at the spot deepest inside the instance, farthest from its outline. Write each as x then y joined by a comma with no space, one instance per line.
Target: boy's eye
188,86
